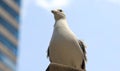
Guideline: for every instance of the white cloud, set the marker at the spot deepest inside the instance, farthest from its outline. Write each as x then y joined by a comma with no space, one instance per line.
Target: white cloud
50,4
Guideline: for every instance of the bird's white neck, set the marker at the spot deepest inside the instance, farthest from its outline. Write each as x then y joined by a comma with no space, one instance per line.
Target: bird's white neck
61,23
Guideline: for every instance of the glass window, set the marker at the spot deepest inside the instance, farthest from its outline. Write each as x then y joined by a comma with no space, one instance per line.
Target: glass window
7,62
13,13
9,27
8,44
18,2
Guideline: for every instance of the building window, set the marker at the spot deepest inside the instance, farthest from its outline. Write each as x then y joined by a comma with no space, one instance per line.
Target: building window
9,27
13,13
4,59
17,2
8,44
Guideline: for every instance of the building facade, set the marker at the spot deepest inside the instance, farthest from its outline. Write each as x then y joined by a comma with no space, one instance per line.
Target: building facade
9,29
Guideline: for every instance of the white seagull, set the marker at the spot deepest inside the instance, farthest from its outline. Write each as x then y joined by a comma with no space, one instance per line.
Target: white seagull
64,47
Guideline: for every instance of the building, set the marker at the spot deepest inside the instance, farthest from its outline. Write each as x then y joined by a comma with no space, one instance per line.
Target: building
9,29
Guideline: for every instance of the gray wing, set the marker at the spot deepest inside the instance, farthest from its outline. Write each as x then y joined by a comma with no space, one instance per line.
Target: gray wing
83,66
48,52
82,45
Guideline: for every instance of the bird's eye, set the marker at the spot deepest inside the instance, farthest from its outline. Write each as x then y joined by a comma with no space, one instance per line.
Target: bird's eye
60,10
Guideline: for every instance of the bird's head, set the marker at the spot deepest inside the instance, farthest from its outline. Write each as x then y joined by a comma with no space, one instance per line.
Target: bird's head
58,14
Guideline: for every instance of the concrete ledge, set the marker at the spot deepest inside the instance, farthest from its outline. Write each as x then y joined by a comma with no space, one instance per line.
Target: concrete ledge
60,67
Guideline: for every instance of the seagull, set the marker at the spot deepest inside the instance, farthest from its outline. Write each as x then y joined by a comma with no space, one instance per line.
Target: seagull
64,47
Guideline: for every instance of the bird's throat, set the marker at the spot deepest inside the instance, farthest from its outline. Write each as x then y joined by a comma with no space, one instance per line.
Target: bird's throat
61,23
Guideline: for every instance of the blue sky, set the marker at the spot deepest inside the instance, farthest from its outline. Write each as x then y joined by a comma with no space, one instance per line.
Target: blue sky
96,22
